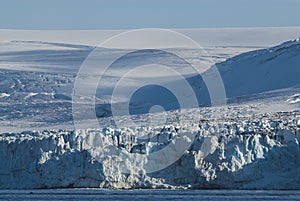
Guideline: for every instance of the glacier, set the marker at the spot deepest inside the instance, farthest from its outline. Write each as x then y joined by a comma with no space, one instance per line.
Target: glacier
254,145
261,153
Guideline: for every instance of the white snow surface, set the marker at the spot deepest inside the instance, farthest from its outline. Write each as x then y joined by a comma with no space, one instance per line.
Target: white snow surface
252,143
37,79
38,74
263,70
251,36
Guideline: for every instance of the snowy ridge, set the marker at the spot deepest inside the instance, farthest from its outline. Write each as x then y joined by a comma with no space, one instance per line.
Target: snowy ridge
287,44
54,44
262,70
247,74
41,56
262,153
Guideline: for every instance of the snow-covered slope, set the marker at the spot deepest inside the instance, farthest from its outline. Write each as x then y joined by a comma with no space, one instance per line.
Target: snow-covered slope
262,70
247,74
37,79
34,75
38,56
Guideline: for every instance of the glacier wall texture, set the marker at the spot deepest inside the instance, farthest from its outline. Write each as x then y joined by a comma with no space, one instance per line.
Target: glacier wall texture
257,154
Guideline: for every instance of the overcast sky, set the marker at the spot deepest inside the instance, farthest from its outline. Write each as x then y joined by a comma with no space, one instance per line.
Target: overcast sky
129,14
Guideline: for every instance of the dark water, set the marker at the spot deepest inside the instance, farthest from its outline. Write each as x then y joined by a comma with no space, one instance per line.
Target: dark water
95,194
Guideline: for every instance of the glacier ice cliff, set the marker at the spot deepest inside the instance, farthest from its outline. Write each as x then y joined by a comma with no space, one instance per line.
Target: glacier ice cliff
263,153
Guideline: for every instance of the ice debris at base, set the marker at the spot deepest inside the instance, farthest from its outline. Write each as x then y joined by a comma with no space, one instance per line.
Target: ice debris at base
263,153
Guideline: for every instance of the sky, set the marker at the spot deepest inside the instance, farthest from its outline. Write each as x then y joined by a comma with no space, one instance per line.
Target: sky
132,14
